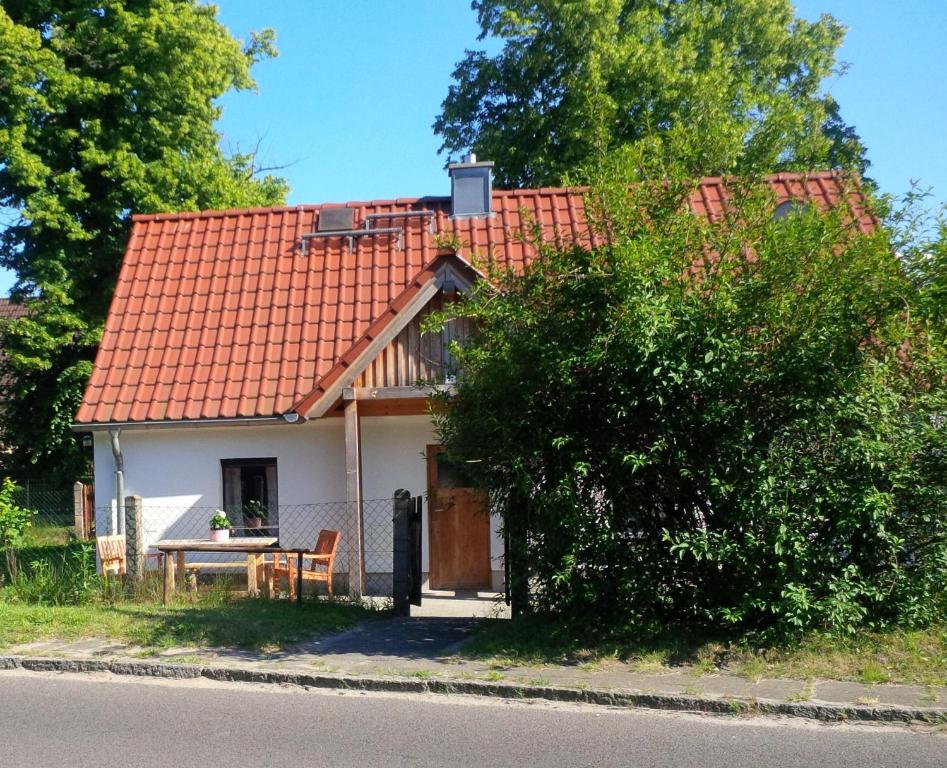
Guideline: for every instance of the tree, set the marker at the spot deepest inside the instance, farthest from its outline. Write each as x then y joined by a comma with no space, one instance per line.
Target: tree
106,109
577,78
729,424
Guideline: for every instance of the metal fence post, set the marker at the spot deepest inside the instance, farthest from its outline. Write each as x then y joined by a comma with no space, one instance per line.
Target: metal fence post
516,526
401,586
134,540
78,509
414,551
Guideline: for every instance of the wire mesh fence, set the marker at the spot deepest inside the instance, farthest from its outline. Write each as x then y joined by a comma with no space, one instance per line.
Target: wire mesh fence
292,525
52,504
53,510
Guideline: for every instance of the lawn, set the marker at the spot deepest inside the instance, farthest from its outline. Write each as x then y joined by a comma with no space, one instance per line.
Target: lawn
210,622
53,577
48,535
899,656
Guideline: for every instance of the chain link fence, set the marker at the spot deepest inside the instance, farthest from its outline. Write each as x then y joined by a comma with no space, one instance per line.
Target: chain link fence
293,525
54,506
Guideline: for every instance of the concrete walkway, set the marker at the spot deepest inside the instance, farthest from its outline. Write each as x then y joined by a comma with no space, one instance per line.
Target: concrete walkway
426,649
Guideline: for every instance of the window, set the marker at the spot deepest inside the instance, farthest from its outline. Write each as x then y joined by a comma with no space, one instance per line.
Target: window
790,208
250,498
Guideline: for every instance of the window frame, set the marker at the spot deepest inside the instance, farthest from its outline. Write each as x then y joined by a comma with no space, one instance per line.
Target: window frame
272,501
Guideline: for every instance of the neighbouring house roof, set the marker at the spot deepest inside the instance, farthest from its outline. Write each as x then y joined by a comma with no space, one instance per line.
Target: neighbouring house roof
11,310
225,315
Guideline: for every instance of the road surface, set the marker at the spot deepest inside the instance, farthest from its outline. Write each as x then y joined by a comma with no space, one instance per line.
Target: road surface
105,721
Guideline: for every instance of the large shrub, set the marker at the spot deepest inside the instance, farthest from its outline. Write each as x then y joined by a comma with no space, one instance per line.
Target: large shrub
14,521
730,424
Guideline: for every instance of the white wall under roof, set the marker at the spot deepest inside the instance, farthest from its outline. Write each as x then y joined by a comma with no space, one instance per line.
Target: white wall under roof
177,472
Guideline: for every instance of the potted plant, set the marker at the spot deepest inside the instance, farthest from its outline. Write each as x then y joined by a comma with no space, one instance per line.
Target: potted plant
220,527
254,514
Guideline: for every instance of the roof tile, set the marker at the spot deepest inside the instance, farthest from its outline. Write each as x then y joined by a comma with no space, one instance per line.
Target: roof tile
221,314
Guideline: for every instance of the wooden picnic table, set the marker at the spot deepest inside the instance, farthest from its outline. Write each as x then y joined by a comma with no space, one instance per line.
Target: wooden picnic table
255,548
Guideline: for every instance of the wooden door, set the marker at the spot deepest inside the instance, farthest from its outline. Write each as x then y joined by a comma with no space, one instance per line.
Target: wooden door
458,527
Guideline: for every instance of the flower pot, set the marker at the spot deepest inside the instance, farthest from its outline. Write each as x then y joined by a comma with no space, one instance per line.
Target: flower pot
221,535
253,522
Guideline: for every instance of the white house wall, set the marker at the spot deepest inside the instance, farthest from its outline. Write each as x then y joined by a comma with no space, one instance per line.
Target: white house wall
177,472
393,456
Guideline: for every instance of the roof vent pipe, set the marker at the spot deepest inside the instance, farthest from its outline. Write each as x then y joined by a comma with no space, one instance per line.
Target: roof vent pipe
471,187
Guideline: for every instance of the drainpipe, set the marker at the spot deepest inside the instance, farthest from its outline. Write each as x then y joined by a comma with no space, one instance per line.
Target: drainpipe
119,481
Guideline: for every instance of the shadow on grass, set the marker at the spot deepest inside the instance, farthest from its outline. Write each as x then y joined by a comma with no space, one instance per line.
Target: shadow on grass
114,610
249,624
912,656
57,555
549,639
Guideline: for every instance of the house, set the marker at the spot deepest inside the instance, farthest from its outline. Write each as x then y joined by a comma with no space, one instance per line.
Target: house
9,310
271,358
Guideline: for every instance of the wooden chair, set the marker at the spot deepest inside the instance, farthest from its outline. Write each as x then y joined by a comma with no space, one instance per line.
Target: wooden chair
111,550
321,562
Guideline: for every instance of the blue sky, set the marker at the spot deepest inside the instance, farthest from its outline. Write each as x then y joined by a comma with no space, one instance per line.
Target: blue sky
349,103
351,99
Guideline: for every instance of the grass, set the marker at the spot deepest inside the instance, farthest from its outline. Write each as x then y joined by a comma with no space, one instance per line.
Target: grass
48,536
211,619
805,694
259,625
900,656
45,544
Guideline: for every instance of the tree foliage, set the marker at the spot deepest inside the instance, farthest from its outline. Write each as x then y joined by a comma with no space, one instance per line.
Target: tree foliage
14,520
106,109
577,78
739,423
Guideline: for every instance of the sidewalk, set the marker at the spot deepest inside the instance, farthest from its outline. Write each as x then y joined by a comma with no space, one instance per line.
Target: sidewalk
420,654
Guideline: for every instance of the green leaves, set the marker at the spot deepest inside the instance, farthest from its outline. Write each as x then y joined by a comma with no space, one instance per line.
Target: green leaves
720,441
14,520
106,109
702,87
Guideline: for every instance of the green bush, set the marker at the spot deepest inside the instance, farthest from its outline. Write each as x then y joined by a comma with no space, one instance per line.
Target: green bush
14,522
64,577
731,424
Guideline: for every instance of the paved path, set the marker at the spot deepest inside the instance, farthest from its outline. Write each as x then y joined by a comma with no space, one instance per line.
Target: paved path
427,648
121,723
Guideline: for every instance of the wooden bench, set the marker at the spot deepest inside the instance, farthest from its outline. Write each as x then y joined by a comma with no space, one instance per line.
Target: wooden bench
113,556
252,547
191,570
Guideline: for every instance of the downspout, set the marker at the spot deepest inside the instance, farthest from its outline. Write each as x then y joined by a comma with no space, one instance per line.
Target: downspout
119,481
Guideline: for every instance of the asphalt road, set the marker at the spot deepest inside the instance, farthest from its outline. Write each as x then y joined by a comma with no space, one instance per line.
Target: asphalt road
82,721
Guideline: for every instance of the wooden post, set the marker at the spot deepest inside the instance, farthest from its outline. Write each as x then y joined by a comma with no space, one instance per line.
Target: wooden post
134,540
78,510
88,503
299,579
252,588
353,494
168,577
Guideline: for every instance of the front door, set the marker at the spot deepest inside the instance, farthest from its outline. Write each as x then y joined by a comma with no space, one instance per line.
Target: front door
458,527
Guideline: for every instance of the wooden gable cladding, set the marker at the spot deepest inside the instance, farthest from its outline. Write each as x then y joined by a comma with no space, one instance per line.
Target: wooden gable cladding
413,356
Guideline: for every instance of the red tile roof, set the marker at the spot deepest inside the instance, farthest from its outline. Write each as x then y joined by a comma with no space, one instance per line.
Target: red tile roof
11,310
222,314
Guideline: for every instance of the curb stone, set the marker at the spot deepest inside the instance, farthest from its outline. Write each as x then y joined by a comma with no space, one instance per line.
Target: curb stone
823,711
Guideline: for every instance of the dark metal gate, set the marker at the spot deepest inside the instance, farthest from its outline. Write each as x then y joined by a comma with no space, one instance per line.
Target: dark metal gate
406,524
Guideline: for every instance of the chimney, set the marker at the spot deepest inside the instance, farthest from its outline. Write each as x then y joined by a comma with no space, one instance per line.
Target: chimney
471,187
